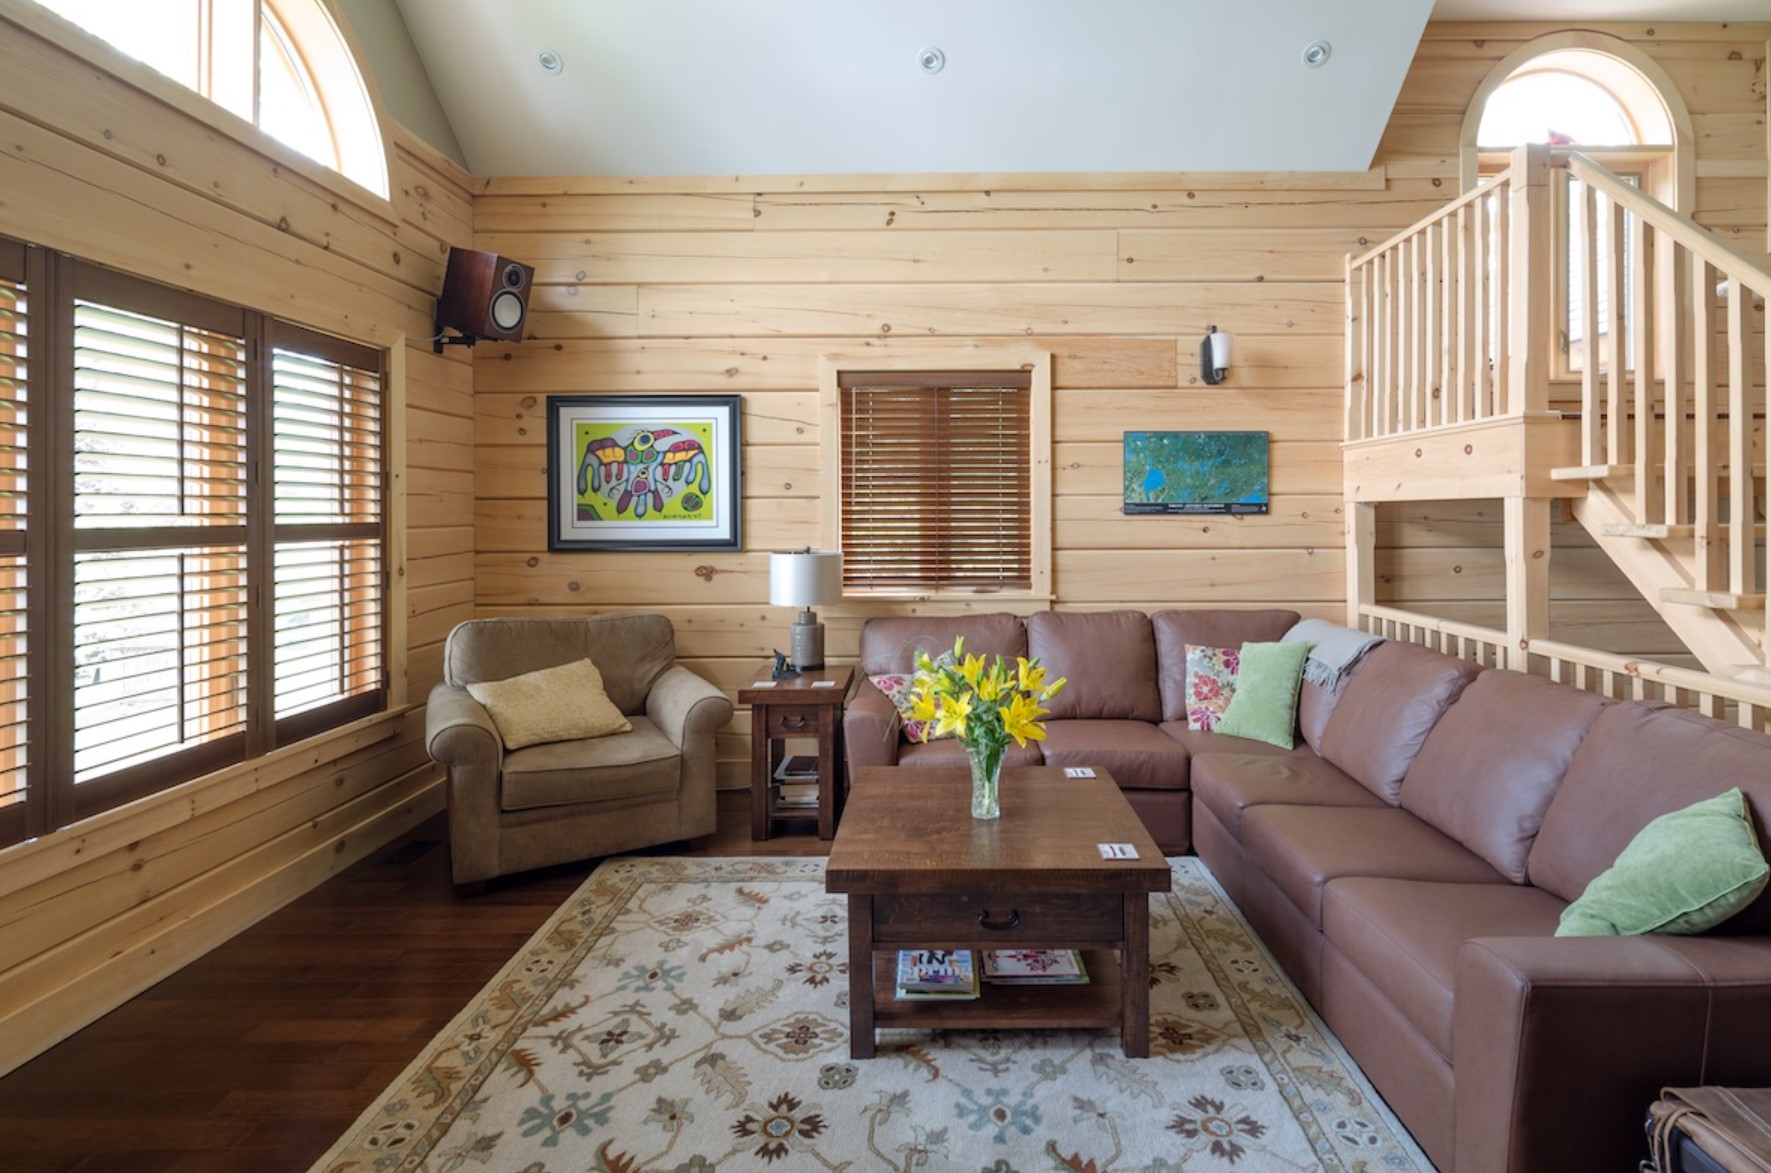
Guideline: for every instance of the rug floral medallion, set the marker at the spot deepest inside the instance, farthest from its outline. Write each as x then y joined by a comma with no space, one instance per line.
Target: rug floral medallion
691,1016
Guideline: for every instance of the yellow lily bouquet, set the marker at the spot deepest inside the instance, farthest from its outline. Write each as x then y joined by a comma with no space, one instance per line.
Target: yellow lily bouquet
984,707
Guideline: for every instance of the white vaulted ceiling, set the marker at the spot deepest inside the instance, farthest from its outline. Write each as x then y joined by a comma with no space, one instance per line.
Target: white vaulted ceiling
714,87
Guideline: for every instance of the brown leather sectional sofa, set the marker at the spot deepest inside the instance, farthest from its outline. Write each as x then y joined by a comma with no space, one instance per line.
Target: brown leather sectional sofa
1408,863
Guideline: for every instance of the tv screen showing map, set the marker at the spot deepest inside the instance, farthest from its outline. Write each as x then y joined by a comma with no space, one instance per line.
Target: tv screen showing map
1195,472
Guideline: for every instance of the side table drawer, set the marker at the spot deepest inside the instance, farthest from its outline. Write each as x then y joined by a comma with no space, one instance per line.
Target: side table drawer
795,720
1070,918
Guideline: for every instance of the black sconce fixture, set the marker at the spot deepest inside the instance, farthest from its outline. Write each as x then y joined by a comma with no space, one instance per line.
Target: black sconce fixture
1214,356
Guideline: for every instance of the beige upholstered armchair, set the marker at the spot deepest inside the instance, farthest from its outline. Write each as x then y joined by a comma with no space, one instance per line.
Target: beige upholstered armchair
512,810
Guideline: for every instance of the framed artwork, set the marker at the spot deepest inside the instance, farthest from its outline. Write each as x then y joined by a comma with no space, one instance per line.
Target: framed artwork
1195,472
643,472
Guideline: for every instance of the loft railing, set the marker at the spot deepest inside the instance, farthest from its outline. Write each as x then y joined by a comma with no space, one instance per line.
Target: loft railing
1739,702
1667,382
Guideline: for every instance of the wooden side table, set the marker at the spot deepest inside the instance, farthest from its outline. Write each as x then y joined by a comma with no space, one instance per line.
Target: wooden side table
808,705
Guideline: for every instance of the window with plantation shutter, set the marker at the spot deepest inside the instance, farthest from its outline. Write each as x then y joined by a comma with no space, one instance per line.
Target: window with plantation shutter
193,549
943,479
14,499
159,437
327,498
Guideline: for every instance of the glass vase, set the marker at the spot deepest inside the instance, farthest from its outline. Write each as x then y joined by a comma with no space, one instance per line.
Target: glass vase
986,764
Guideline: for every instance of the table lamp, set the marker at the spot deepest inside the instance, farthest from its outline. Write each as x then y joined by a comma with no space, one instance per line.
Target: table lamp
805,578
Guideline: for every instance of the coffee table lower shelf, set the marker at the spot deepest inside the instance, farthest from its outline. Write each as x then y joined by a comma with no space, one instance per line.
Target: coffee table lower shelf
1093,1005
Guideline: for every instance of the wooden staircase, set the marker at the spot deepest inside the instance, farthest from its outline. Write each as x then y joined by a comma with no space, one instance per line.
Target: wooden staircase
1453,391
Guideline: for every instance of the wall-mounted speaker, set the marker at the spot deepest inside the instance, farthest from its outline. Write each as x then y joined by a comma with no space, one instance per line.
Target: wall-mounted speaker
484,296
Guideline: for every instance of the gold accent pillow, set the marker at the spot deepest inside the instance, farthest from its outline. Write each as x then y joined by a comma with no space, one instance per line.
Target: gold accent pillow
566,703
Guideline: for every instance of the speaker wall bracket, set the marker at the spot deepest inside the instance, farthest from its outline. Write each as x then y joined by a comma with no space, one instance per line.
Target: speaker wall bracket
440,339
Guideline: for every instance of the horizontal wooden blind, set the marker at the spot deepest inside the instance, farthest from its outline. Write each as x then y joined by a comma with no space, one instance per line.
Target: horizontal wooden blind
936,480
14,420
327,484
159,587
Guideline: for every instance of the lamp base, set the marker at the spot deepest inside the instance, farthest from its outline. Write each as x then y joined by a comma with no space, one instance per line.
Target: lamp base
806,649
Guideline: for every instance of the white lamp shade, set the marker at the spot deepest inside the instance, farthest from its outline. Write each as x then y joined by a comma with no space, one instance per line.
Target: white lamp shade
807,578
1220,350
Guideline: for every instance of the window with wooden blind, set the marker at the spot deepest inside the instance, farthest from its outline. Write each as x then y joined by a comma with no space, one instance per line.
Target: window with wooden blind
942,478
14,502
192,551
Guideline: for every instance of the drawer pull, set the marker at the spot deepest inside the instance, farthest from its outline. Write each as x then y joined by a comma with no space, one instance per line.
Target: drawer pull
797,721
998,926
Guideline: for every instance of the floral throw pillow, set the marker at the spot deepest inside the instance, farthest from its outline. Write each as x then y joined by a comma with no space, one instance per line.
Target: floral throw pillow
897,689
1211,682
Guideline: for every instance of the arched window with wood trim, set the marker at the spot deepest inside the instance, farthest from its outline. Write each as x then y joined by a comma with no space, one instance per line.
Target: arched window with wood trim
283,65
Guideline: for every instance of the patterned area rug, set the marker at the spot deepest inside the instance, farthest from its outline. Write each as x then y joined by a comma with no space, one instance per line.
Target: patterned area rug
690,1016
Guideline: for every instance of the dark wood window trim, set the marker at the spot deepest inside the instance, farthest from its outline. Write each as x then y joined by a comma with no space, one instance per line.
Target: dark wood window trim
202,372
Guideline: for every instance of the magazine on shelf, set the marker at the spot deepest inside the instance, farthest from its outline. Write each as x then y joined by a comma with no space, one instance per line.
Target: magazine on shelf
797,794
797,767
941,972
1034,967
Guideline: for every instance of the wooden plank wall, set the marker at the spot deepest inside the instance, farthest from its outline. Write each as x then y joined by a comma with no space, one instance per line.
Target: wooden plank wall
1445,558
739,284
102,161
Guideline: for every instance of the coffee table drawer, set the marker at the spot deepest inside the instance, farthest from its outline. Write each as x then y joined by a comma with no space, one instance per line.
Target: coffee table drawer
1069,918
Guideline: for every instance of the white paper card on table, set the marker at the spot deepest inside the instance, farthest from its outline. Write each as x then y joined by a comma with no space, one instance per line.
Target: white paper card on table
1117,851
1078,772
764,683
823,684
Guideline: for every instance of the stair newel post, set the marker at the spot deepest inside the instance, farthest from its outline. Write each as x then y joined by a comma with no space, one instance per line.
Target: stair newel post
1527,541
1361,558
1531,259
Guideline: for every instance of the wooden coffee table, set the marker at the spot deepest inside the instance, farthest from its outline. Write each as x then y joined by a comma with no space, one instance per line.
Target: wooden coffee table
920,872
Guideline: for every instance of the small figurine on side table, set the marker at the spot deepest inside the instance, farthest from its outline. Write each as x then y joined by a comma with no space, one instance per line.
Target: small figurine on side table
782,670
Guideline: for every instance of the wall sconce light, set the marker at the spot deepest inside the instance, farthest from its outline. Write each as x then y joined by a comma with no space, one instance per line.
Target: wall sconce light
1214,356
805,578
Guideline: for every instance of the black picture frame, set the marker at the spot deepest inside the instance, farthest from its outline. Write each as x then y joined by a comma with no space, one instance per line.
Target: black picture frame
644,472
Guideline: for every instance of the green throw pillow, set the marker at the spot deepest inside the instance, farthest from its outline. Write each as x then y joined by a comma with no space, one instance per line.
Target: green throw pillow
1685,872
1265,706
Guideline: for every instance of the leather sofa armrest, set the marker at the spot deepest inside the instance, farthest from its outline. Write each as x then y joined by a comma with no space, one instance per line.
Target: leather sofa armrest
458,731
687,708
869,728
1560,1044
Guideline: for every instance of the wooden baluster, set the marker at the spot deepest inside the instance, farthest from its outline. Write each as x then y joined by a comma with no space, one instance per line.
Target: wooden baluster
1352,391
1669,310
1447,320
1411,251
1466,295
1481,373
1381,368
1512,222
1585,279
1648,503
1704,465
1742,576
1615,319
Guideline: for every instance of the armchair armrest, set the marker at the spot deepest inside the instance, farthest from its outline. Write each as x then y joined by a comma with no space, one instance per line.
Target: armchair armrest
1560,1044
686,707
458,731
870,728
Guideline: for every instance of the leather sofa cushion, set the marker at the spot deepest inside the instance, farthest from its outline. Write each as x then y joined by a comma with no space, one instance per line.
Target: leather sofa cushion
1207,627
1198,741
1403,935
1229,785
1638,762
1316,705
1136,753
951,752
1109,658
1491,765
1302,848
890,644
1386,711
640,764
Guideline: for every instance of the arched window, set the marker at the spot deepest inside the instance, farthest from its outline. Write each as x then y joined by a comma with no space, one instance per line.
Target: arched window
1602,97
282,65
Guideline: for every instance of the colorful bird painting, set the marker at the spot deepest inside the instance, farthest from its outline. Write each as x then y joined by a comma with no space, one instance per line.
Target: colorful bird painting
643,468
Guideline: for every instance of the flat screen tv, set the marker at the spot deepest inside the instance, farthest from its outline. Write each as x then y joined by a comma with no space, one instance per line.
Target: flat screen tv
1195,472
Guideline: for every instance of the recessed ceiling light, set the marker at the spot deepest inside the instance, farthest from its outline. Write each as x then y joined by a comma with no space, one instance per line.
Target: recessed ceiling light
1316,53
930,60
550,60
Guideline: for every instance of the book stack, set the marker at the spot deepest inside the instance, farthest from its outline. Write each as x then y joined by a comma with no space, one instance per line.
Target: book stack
935,974
1034,967
796,781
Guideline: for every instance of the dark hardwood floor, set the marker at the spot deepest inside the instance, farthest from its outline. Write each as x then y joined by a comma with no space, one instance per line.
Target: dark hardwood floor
259,1055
